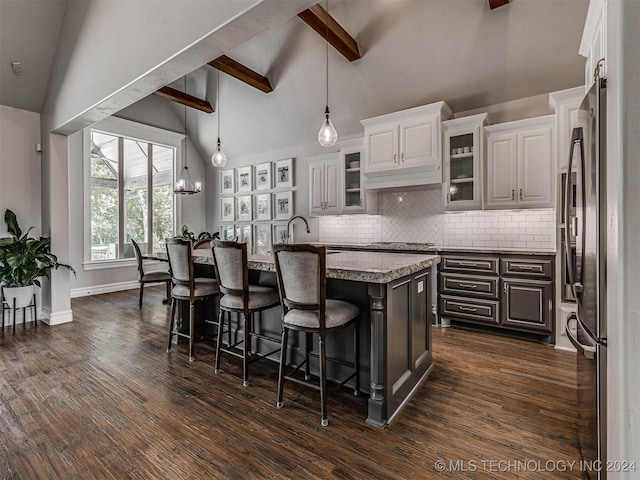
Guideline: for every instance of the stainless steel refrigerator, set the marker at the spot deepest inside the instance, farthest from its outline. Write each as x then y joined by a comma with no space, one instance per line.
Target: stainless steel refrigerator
586,270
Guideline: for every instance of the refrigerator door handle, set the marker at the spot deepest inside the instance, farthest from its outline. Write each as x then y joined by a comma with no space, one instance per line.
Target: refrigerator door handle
576,138
589,351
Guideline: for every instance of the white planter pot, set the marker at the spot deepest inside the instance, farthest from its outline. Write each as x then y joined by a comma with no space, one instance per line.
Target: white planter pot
23,295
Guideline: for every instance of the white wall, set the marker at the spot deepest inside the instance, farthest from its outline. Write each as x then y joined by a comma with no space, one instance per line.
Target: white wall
20,168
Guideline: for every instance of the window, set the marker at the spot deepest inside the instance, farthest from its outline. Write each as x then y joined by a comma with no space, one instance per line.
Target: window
130,189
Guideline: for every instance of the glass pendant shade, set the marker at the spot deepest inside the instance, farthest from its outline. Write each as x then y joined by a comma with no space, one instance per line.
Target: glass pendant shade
218,159
327,136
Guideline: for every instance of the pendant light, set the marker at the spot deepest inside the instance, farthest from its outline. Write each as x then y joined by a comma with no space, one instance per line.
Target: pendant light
184,184
218,159
327,136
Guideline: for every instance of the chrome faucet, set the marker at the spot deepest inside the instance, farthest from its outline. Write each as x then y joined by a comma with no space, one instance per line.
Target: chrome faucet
289,237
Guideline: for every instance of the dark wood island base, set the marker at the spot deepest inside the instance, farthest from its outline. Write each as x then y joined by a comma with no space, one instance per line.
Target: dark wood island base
394,292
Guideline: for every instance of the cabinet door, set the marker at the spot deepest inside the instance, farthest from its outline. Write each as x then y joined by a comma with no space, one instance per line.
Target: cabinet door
381,148
419,144
332,188
534,168
527,304
316,188
501,170
461,170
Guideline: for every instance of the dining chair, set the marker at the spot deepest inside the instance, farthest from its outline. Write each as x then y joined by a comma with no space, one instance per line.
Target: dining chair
155,276
204,243
302,283
239,296
186,287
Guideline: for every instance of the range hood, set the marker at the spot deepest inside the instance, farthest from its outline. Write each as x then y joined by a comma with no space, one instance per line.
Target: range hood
407,178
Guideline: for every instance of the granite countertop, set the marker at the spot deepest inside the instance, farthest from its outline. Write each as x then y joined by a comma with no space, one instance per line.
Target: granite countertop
372,267
431,248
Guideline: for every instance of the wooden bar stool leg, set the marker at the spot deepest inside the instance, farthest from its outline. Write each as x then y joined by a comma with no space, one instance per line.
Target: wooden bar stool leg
307,349
35,311
356,349
283,362
192,312
323,382
14,315
246,346
172,322
219,342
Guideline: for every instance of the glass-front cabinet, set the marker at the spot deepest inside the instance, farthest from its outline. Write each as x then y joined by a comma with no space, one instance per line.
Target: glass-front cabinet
462,161
355,198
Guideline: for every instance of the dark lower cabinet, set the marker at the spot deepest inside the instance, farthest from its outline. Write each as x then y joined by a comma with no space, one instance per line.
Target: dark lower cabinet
509,292
527,304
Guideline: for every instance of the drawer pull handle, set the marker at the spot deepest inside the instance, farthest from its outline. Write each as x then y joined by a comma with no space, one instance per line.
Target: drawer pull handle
467,309
467,285
527,267
467,264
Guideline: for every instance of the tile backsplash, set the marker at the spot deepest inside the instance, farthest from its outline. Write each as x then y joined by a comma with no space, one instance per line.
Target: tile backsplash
417,215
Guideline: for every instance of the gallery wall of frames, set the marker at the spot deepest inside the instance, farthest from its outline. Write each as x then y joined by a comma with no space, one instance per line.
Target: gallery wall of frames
255,203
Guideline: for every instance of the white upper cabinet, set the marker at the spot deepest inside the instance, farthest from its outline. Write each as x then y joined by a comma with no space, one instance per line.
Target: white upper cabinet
594,41
325,185
355,197
520,169
462,162
566,104
403,148
419,143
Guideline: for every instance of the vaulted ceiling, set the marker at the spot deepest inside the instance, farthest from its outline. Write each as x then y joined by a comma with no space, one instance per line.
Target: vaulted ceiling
413,52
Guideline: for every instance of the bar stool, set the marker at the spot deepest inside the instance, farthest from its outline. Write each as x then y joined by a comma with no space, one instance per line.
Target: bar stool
302,282
186,288
156,276
232,271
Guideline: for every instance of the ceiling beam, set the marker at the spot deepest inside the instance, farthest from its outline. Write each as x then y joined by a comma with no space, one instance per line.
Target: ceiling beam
497,3
317,18
242,73
184,99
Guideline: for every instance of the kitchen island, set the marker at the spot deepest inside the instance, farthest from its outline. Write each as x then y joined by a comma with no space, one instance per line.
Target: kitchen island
393,292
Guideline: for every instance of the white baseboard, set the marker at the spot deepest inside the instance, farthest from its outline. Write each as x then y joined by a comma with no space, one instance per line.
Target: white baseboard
56,318
107,288
565,349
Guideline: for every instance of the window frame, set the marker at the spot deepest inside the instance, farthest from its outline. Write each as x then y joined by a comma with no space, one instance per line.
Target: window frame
135,131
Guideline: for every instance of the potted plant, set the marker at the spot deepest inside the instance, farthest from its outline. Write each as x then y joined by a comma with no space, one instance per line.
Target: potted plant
23,260
186,233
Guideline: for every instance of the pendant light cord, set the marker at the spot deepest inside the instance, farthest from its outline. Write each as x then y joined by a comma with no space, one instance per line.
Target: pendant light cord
186,140
218,100
327,49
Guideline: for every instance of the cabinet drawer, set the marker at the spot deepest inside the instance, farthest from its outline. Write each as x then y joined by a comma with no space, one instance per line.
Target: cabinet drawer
527,267
474,310
469,285
488,265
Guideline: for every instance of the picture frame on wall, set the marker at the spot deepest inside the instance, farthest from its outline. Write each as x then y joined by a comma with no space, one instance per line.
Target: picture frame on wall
227,232
262,175
227,182
280,234
283,173
262,239
227,209
262,206
244,179
243,208
282,205
244,235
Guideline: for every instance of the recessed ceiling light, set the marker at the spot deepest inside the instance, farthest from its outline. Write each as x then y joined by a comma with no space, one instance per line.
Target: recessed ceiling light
17,68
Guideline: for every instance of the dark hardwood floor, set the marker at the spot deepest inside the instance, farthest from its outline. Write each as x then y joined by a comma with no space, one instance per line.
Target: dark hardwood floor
100,398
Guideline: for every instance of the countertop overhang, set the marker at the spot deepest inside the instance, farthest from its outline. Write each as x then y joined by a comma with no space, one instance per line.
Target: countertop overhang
360,266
